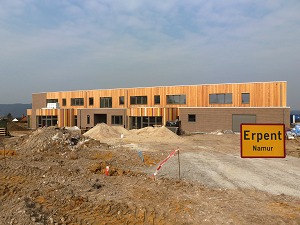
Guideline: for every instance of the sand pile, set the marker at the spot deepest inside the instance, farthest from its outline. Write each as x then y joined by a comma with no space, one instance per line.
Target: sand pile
102,131
156,132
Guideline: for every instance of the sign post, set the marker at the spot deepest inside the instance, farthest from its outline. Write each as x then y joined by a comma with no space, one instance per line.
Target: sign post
263,141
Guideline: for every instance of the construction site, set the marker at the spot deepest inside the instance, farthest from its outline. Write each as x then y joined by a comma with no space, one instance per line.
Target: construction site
111,175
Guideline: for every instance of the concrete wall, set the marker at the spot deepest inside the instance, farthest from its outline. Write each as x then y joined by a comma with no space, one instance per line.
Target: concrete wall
38,102
211,118
83,113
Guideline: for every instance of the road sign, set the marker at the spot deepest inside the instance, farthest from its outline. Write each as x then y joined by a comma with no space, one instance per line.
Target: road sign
262,141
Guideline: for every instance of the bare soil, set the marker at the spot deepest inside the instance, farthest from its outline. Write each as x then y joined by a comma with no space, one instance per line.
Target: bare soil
55,176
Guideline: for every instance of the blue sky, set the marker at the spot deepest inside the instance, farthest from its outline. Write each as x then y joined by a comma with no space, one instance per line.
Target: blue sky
60,45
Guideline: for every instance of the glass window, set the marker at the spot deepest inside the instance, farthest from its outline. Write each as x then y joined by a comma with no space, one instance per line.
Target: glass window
245,98
106,102
91,101
156,99
117,120
228,99
191,117
121,100
77,101
138,100
64,102
176,99
220,98
88,119
54,100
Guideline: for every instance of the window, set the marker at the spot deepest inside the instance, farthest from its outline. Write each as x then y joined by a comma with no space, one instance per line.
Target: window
64,102
105,102
176,99
121,100
156,99
138,100
88,119
191,117
54,100
117,120
91,101
220,98
245,98
77,101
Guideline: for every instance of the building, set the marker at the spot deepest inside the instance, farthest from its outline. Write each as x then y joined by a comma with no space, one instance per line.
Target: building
201,108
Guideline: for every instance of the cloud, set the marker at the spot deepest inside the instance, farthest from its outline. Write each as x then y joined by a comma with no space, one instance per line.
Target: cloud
148,42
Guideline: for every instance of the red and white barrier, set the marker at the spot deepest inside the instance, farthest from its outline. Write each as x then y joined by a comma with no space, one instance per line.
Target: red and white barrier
164,161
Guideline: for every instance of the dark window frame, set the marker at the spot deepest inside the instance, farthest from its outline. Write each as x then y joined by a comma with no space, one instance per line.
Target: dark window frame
220,98
157,99
88,119
176,99
117,120
245,98
138,100
77,101
192,118
121,100
51,100
105,102
64,102
91,101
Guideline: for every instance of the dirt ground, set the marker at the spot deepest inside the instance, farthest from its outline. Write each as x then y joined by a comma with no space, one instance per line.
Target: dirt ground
58,176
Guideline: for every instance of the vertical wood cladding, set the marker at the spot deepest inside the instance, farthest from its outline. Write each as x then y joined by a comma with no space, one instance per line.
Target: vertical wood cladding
265,94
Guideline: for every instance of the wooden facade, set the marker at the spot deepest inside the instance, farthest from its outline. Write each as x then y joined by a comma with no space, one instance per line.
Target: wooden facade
260,94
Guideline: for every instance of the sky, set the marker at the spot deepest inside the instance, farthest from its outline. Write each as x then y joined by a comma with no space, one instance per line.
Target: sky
62,45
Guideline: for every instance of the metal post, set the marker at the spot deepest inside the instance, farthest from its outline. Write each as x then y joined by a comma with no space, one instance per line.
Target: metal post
178,165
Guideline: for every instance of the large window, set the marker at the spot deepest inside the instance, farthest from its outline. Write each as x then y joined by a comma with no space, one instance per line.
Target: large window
53,100
176,99
138,100
121,100
106,102
156,99
220,98
77,101
117,120
245,98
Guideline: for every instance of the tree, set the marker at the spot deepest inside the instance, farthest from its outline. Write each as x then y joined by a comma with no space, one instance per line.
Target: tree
9,117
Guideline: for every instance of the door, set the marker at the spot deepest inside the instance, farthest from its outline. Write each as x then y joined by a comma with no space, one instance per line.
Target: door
238,119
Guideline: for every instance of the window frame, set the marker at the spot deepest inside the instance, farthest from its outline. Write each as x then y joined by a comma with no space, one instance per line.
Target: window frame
247,95
64,102
176,99
105,102
192,118
114,118
220,98
121,100
156,99
139,100
77,101
91,100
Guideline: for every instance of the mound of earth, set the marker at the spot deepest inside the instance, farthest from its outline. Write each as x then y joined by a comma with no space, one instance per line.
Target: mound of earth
157,132
53,139
102,131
